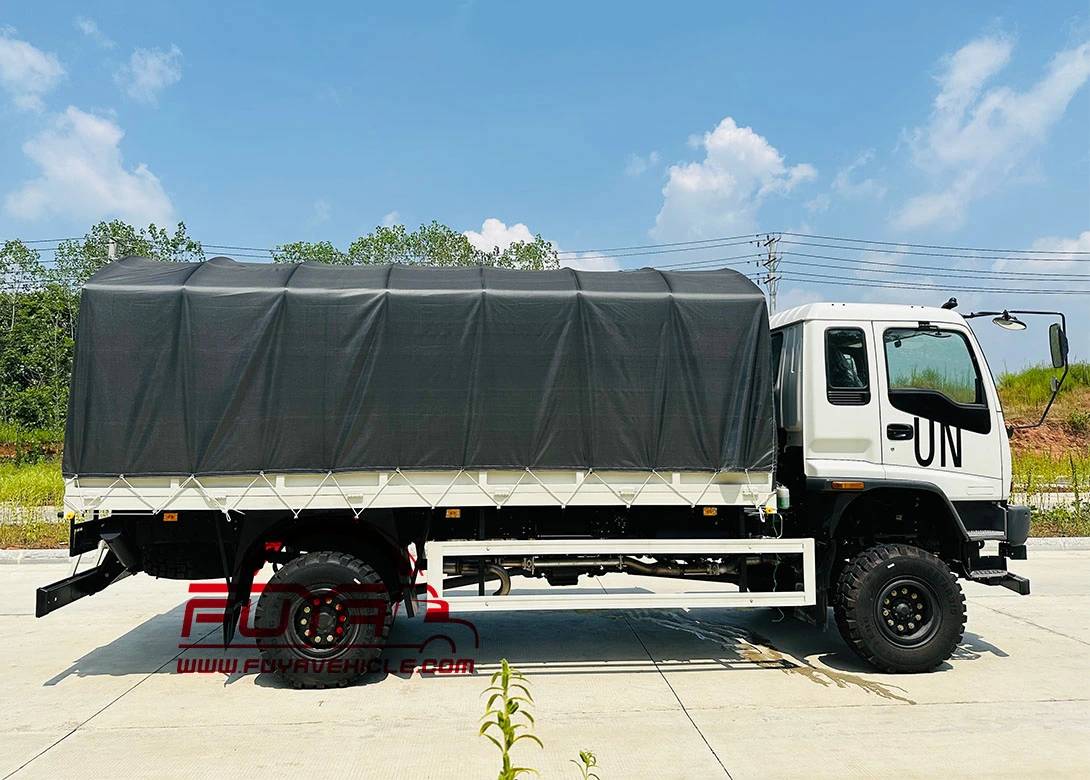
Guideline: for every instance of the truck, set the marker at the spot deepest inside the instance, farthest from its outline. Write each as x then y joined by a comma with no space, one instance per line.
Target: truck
390,437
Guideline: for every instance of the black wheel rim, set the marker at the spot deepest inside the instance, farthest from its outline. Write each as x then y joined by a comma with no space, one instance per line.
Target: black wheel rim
908,612
321,625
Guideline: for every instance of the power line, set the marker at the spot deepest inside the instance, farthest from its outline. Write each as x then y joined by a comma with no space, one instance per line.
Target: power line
39,240
701,264
1052,276
934,246
923,285
960,256
743,239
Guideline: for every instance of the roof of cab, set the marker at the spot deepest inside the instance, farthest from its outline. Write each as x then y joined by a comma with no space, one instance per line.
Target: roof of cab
865,312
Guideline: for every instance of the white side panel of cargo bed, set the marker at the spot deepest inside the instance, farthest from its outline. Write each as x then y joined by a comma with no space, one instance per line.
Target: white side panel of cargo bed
358,491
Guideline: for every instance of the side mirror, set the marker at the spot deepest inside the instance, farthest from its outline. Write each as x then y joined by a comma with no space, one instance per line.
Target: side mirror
1057,342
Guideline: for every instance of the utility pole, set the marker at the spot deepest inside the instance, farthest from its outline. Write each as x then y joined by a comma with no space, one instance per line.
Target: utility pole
771,264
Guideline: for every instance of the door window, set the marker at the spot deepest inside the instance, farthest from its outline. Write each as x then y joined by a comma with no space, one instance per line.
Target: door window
847,376
933,374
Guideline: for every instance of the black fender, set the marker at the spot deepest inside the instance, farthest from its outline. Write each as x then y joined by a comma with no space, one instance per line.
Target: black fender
843,499
373,529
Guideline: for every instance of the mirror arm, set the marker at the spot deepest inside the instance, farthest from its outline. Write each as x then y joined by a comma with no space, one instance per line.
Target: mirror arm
1012,428
1060,314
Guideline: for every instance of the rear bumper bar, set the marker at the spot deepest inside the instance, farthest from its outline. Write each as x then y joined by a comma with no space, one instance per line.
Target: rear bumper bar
63,592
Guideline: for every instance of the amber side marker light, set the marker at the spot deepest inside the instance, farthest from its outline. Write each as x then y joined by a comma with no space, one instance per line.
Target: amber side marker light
847,486
711,511
454,514
170,517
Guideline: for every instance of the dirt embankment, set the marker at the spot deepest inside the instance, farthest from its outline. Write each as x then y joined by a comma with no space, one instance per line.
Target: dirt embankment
1051,438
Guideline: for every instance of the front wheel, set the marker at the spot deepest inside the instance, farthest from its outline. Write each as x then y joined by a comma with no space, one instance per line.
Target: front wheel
900,608
322,620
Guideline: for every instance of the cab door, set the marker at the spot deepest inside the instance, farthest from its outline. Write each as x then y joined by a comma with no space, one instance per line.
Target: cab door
938,414
842,419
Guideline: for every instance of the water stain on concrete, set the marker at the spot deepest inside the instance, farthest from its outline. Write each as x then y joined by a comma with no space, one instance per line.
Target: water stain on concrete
755,649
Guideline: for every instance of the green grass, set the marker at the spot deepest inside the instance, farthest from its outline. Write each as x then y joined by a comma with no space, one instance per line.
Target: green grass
24,489
27,529
1025,393
31,484
962,389
1039,476
1061,521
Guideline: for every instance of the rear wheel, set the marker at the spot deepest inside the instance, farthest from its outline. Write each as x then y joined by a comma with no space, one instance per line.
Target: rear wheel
900,608
323,620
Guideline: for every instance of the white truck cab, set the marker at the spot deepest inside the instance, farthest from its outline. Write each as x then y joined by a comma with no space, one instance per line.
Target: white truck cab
891,392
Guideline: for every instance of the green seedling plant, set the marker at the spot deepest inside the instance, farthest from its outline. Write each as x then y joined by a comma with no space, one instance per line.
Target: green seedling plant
587,761
508,702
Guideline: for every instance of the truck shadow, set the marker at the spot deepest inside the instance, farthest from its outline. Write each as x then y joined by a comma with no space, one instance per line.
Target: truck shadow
542,643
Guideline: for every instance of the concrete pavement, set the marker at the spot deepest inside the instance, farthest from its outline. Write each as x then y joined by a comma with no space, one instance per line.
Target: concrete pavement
98,690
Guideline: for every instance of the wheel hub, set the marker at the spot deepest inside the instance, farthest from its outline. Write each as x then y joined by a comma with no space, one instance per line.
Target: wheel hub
320,623
907,612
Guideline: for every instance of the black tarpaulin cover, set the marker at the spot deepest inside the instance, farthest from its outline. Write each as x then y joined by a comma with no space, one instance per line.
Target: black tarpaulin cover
229,368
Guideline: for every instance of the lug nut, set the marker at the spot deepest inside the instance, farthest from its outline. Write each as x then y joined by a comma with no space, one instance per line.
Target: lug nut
900,628
329,638
904,591
303,622
317,640
919,617
890,622
919,606
915,596
911,625
885,613
307,610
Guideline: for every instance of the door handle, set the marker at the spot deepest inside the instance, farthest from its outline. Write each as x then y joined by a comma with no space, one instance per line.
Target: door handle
898,432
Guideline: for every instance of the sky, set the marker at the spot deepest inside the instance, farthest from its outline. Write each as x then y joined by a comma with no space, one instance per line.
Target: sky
597,125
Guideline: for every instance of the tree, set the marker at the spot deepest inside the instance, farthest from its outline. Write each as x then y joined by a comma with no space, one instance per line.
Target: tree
430,244
77,260
39,306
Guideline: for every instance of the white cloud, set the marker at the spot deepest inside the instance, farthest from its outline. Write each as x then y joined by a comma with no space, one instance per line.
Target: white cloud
819,204
149,72
391,219
637,166
321,212
868,188
721,194
27,72
89,27
1062,254
796,296
976,139
83,175
1064,246
494,234
589,261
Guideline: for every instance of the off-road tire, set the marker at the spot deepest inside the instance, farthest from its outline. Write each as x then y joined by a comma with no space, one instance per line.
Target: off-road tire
862,590
367,626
